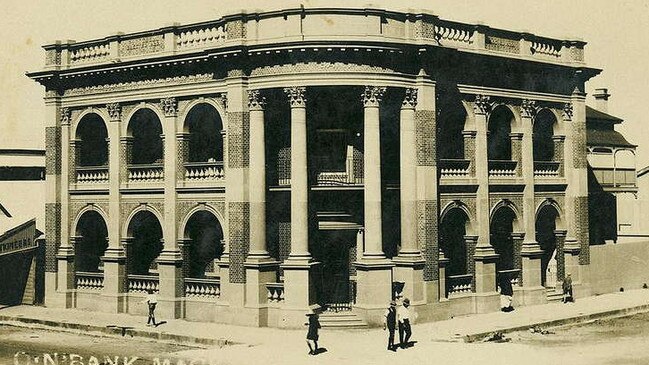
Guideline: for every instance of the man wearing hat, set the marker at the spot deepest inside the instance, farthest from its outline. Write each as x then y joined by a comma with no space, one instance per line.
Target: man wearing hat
312,333
403,317
390,322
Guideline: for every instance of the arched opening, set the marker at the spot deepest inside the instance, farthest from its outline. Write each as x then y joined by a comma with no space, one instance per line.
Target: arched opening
204,125
452,242
545,228
92,144
146,243
542,138
206,235
451,119
91,242
499,147
501,229
146,130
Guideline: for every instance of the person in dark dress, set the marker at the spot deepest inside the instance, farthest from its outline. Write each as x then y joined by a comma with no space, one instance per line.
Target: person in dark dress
312,333
390,323
567,289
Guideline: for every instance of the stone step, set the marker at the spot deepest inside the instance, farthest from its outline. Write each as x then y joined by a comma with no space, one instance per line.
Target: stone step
342,320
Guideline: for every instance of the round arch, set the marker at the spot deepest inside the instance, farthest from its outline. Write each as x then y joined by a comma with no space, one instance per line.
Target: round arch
507,204
555,205
203,126
545,126
457,204
197,208
126,232
92,136
91,241
146,129
143,105
204,234
501,122
181,122
102,114
89,208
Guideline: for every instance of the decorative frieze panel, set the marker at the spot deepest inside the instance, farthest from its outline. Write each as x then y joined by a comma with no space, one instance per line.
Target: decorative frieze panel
239,232
317,67
52,57
500,44
141,46
52,150
238,139
427,236
582,233
235,29
579,145
424,29
426,133
169,106
52,234
139,85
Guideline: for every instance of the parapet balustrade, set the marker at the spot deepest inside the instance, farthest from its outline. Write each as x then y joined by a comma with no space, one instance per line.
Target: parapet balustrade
459,284
546,169
92,174
454,168
502,168
204,171
202,288
143,283
275,292
146,173
89,280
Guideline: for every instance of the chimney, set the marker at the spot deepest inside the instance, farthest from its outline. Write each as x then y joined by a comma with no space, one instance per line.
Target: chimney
601,99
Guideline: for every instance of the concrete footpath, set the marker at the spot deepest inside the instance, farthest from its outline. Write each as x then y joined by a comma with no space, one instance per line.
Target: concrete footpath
234,342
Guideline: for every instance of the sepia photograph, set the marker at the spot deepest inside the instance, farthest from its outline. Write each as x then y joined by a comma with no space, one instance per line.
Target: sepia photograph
216,182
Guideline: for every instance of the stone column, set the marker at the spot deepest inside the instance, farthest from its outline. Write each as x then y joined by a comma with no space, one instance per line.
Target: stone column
260,268
170,259
65,253
53,116
531,251
374,274
297,268
409,264
114,258
484,256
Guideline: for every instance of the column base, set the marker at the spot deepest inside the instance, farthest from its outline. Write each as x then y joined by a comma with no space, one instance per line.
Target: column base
531,268
171,285
299,292
66,277
485,273
259,272
410,271
374,285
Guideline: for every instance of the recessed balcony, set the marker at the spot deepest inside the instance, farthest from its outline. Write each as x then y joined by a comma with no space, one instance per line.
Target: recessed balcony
92,174
502,169
546,169
146,173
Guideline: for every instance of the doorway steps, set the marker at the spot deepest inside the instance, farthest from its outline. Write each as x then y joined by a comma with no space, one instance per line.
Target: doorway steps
553,295
342,320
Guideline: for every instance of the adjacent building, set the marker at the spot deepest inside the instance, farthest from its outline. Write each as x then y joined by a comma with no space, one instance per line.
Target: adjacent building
248,167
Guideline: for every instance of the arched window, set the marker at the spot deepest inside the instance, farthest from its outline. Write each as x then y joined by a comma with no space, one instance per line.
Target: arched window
146,244
499,145
543,133
205,234
146,130
91,242
205,140
92,144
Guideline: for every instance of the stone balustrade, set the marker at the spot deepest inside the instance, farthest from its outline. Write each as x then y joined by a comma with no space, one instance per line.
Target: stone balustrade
142,283
202,288
204,171
313,25
146,173
452,168
513,275
459,284
92,174
546,169
89,280
502,168
275,292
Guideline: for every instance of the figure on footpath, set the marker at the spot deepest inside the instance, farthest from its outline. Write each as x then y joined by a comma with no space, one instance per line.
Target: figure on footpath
506,293
390,323
312,333
403,319
567,289
151,300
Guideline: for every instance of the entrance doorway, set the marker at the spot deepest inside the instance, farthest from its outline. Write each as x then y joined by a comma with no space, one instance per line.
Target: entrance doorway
545,227
335,282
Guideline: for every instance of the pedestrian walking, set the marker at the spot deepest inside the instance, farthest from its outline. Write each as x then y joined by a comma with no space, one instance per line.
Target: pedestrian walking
403,319
390,323
151,300
312,333
567,289
506,293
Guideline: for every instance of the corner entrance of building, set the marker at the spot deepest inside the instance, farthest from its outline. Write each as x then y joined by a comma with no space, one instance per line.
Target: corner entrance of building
335,282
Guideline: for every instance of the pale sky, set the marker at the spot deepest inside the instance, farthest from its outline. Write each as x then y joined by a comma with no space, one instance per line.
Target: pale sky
617,33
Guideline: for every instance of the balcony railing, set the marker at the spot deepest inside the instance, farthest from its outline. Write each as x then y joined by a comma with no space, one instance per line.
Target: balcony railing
459,284
451,168
146,173
204,171
143,283
89,280
546,169
275,292
337,178
618,177
512,274
92,174
202,288
502,168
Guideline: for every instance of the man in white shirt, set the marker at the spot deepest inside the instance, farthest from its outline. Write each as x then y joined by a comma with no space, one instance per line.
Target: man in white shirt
151,300
403,317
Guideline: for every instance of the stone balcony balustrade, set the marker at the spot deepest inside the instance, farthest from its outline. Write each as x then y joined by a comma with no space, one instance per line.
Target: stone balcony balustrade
502,168
204,171
146,173
202,288
546,169
275,292
454,168
142,283
459,284
92,174
89,280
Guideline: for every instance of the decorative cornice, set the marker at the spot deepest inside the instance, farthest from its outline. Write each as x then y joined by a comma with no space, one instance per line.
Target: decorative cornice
482,104
372,95
296,96
528,108
410,99
567,111
169,106
65,116
255,100
114,110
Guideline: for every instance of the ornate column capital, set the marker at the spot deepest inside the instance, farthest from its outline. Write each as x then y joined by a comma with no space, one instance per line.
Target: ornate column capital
567,111
482,104
528,108
296,96
373,95
255,100
114,111
65,116
410,99
169,106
